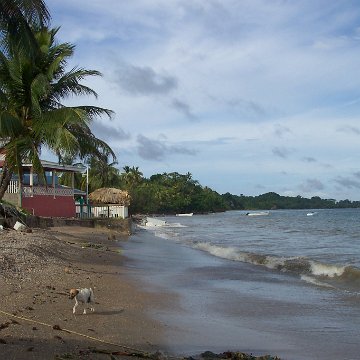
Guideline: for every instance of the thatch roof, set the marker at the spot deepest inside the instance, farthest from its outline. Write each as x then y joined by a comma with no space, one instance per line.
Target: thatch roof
110,196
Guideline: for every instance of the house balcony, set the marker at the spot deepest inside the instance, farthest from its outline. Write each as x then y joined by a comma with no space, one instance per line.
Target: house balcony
42,200
30,191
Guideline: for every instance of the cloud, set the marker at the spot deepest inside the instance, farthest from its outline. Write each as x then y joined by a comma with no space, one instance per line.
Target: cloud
281,130
309,159
150,149
183,108
348,182
349,129
311,185
107,133
144,80
281,152
260,187
248,108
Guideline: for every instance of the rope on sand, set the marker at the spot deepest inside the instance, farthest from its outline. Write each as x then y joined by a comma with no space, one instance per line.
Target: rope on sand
57,327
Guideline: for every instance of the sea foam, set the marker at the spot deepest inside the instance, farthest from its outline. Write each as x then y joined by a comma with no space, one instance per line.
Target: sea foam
298,265
319,269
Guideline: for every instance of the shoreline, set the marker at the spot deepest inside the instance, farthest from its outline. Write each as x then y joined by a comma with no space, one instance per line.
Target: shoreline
37,270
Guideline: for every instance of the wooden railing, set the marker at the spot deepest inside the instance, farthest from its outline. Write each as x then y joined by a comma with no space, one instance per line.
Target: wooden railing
13,187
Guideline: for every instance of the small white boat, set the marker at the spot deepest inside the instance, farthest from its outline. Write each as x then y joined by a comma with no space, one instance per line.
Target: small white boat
154,222
186,214
311,213
258,213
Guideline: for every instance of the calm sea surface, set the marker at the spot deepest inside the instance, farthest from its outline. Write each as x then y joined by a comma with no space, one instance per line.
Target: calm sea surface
286,283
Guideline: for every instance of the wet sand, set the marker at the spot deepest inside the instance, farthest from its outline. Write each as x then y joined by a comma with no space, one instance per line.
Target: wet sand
223,305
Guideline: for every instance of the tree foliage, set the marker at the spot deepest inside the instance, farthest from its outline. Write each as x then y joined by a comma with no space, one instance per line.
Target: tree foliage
275,201
171,193
33,86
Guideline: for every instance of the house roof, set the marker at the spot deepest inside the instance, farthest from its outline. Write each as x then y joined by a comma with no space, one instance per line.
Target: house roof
110,196
49,165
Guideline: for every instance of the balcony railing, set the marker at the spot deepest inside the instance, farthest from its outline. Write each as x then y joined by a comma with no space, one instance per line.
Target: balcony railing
13,187
29,191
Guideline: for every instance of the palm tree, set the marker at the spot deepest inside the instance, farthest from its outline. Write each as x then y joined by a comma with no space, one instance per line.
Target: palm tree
16,17
103,173
72,179
32,115
132,176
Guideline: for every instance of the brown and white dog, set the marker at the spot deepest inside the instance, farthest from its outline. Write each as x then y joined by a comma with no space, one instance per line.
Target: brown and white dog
85,296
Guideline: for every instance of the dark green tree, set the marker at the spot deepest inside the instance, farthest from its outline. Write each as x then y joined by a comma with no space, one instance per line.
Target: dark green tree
32,115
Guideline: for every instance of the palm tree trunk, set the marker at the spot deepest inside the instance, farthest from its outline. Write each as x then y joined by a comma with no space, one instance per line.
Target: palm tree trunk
5,179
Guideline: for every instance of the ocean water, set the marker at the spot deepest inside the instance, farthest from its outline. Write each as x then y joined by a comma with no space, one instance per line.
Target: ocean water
285,284
323,249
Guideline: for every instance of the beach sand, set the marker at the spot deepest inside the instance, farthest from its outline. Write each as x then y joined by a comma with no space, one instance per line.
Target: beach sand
38,268
37,271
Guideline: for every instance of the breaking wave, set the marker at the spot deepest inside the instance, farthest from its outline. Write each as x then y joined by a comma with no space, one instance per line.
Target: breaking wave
316,273
161,228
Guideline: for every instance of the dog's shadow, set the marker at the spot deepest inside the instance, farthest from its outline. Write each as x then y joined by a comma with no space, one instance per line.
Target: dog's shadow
109,312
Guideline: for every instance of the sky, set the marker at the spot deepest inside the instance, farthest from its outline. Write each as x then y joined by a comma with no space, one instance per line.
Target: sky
249,96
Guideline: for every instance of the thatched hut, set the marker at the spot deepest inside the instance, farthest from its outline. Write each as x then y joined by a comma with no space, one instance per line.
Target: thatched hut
110,196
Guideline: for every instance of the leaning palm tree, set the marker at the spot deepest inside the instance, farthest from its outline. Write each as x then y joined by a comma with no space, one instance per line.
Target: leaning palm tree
32,113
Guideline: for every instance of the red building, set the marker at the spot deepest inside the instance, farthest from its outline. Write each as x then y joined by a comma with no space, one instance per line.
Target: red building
48,199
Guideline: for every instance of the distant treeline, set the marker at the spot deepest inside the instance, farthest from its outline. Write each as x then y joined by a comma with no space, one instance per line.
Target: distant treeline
273,200
176,193
171,193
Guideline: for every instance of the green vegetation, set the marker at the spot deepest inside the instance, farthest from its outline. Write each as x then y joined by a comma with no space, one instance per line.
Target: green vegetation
33,84
175,193
274,201
162,193
171,193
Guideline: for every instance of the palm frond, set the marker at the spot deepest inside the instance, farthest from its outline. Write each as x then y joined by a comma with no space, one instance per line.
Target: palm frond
10,126
94,111
69,84
39,89
17,19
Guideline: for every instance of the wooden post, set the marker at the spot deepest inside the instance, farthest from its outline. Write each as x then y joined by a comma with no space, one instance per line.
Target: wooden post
53,182
31,181
73,183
